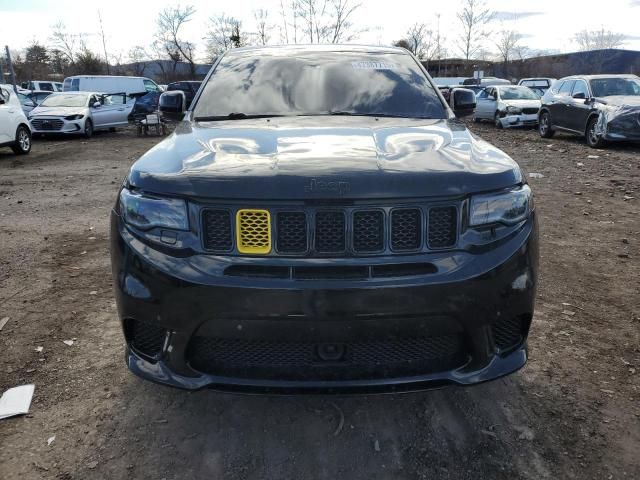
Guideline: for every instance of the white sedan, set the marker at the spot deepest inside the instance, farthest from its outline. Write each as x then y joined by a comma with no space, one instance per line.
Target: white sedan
79,113
508,106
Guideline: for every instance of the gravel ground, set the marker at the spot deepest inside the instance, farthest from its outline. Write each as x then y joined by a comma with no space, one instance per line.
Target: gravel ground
572,412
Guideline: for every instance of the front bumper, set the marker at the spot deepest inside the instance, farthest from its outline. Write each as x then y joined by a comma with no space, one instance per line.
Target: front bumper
521,120
255,334
56,125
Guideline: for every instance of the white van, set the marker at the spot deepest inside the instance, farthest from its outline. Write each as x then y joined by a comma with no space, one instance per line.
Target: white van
44,85
109,84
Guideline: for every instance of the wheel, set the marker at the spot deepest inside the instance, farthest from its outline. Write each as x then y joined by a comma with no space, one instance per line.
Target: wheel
88,128
476,120
544,126
22,145
594,140
112,129
497,122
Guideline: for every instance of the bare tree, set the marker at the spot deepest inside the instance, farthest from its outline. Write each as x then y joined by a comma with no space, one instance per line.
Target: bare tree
599,39
326,21
139,57
507,45
419,41
474,17
104,43
341,27
261,16
63,41
169,23
224,33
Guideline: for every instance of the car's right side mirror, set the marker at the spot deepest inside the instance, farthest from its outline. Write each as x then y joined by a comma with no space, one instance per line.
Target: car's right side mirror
172,105
463,102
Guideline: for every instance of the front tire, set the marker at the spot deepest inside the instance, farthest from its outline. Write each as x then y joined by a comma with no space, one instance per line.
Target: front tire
497,122
593,139
22,145
88,128
544,126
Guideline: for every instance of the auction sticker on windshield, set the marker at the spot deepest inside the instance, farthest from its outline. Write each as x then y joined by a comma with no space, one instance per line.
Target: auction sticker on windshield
373,65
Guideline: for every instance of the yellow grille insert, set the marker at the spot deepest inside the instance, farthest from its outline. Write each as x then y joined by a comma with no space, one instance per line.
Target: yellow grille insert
253,231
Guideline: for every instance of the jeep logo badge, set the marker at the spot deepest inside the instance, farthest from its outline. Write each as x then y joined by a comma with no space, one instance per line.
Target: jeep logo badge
327,186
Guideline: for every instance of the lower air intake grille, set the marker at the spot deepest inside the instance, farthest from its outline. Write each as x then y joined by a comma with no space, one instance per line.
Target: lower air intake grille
292,232
406,229
443,229
144,337
217,230
368,231
304,360
509,332
330,232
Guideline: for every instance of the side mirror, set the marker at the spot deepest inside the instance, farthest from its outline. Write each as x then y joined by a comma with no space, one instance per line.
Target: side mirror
580,96
2,102
96,105
172,105
463,102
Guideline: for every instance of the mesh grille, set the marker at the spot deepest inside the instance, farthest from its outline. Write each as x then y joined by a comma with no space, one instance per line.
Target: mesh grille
406,231
290,360
46,124
217,230
530,111
368,231
442,227
292,232
330,232
144,337
508,332
254,231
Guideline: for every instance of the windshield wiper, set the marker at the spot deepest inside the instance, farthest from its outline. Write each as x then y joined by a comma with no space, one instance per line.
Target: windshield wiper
234,116
355,114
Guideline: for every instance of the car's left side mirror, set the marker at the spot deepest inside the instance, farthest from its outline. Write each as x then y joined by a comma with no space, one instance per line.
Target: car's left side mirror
172,105
463,102
2,101
580,96
96,105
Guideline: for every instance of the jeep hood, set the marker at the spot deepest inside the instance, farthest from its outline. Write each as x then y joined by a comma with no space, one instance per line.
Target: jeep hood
323,157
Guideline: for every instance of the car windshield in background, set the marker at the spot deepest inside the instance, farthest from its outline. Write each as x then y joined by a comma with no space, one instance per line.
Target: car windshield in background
517,93
64,101
608,87
320,83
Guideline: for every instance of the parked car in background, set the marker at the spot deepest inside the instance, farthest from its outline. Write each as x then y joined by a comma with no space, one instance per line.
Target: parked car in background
538,85
78,113
599,107
15,131
111,84
508,106
328,226
189,88
46,85
31,99
485,82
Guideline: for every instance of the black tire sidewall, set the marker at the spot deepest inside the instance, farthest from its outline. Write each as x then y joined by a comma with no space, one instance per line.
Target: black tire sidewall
16,146
88,133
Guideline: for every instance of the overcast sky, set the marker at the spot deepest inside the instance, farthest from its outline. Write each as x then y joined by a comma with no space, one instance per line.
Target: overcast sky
544,24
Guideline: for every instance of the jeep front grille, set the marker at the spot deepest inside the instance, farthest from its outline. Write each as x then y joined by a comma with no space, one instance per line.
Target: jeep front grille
337,231
253,231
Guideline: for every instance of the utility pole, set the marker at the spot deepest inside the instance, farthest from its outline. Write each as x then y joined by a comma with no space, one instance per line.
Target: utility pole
104,44
11,71
1,71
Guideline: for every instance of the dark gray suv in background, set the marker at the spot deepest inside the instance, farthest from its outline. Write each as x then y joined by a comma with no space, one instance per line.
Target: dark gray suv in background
599,107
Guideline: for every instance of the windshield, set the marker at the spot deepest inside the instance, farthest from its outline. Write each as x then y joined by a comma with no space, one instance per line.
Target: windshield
63,100
607,87
517,93
319,83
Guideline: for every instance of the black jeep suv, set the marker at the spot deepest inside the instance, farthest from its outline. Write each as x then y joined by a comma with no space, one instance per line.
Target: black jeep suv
320,221
600,107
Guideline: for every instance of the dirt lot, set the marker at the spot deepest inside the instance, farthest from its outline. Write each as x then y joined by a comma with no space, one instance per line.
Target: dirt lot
572,412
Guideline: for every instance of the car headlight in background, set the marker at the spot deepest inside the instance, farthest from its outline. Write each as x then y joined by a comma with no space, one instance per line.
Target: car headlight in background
74,117
506,207
146,212
514,110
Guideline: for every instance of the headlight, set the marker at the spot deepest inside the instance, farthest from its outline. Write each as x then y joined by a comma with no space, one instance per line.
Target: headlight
509,207
74,117
146,212
514,110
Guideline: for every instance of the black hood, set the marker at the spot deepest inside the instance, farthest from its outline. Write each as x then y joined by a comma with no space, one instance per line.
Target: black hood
323,157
